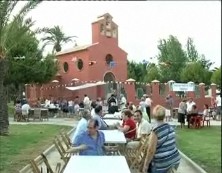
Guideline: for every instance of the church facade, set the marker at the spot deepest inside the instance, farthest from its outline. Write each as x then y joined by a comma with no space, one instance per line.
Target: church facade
84,69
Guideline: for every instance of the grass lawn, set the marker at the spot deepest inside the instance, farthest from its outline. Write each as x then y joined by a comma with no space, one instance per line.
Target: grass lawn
203,146
25,142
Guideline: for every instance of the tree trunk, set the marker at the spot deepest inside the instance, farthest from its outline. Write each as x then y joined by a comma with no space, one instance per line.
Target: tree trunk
21,88
4,121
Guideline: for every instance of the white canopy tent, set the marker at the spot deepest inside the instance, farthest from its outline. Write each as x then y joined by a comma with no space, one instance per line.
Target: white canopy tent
87,85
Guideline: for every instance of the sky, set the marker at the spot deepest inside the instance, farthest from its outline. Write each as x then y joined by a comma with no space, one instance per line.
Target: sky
141,24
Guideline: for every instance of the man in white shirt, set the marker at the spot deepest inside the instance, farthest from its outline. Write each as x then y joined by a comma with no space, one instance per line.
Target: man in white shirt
25,110
190,104
148,102
82,125
86,102
143,128
218,101
71,107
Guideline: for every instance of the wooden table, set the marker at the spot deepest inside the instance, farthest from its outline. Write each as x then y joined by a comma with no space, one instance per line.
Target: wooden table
97,164
114,137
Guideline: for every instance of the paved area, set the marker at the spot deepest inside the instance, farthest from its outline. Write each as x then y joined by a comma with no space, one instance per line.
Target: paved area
54,157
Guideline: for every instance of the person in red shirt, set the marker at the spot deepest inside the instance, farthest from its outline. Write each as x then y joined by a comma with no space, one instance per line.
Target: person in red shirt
129,126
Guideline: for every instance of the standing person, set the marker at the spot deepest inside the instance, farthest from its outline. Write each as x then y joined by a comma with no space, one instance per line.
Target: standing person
168,109
111,100
162,154
86,102
148,102
142,107
122,102
182,112
218,101
71,107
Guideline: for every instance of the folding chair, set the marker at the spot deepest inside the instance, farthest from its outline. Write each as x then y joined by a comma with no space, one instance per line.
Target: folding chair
37,166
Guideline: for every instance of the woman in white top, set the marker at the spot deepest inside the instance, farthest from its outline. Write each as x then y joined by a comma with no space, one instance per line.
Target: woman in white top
206,112
142,107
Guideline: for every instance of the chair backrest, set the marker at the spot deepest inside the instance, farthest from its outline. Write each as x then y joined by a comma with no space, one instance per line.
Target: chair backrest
66,139
38,167
140,154
34,166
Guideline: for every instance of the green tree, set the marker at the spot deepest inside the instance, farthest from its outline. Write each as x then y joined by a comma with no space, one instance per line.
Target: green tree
33,68
6,9
152,73
191,51
216,77
193,55
193,72
136,71
171,59
56,37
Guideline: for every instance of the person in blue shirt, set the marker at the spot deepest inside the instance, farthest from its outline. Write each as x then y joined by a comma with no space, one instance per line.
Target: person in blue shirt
98,116
90,142
82,125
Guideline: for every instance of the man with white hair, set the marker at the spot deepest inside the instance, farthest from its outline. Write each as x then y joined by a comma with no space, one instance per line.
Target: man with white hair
82,125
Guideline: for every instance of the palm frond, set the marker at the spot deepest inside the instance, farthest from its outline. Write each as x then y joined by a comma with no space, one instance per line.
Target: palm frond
17,31
41,30
30,5
6,8
48,38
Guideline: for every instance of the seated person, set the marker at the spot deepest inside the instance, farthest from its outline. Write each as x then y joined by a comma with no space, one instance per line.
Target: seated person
143,128
90,142
113,108
82,125
192,113
98,116
129,126
133,107
93,106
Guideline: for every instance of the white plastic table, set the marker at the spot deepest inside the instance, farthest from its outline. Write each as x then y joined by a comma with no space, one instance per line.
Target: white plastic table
112,122
97,164
114,137
112,116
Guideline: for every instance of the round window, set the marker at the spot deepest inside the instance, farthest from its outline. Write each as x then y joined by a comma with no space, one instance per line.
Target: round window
80,64
109,59
65,66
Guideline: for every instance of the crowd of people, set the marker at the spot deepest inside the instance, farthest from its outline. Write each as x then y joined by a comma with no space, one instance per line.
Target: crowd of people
162,154
188,111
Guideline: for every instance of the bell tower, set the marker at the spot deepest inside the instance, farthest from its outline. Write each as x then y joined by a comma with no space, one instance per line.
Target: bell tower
104,29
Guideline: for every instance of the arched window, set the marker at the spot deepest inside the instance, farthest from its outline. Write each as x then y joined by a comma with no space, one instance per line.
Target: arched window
65,67
109,59
80,64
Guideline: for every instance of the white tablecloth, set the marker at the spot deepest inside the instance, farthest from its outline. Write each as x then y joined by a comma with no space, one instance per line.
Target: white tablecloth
114,136
112,122
97,164
112,116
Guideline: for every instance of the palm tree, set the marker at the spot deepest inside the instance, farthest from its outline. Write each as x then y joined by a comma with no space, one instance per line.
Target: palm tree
6,29
56,37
